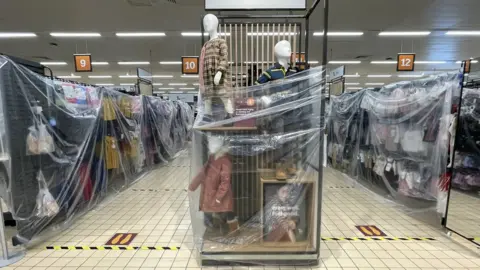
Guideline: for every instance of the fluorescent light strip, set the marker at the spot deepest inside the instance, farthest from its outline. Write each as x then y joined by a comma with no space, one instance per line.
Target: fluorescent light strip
472,61
380,76
99,63
177,84
313,62
134,63
272,34
462,33
430,62
127,76
383,62
53,63
105,84
70,77
17,35
170,62
64,34
99,76
354,88
352,83
166,88
195,84
339,34
199,34
189,76
159,92
162,76
186,88
158,84
345,62
352,76
374,83
140,34
127,84
175,92
411,75
407,33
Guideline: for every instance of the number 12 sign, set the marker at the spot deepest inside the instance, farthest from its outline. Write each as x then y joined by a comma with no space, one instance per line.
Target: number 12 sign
405,62
83,62
190,64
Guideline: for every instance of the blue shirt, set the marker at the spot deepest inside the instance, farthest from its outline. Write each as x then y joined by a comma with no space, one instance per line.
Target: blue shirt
274,73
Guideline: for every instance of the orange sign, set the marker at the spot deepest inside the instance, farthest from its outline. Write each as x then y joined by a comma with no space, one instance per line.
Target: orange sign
83,62
405,62
466,66
190,64
121,239
299,58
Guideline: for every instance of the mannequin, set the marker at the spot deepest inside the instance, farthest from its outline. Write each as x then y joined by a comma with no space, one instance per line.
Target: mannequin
283,157
216,198
215,81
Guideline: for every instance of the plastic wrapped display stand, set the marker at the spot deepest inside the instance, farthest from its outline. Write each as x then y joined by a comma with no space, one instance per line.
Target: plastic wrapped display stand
394,140
66,147
255,188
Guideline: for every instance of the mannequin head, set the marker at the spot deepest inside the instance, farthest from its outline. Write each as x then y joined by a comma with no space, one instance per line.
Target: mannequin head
283,52
210,24
215,143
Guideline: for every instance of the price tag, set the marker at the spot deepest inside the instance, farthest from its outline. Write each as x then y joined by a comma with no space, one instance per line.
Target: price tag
83,62
405,62
190,64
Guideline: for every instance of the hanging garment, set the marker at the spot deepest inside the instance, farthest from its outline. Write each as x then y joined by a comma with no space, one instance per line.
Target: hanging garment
108,109
215,58
276,72
126,106
216,180
111,153
85,181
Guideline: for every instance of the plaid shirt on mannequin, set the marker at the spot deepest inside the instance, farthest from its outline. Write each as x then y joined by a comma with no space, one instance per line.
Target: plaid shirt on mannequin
215,58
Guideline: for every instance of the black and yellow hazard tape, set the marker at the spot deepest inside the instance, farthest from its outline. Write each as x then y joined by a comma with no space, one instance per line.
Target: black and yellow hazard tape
110,248
378,239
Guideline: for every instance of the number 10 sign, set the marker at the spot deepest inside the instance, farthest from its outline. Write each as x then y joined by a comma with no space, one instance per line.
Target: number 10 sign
405,62
190,64
83,62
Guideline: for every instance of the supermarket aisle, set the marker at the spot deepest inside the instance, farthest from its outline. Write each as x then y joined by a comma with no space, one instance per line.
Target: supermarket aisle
156,209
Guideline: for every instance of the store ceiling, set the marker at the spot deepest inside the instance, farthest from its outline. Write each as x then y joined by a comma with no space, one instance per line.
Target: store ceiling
110,16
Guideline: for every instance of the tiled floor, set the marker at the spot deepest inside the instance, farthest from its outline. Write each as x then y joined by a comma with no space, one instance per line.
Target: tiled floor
157,209
464,214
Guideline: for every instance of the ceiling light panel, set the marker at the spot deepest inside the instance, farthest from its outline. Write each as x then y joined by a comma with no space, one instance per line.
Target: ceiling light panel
70,77
176,92
186,88
354,88
100,63
411,75
158,84
53,63
73,34
140,34
127,84
405,33
100,76
105,84
339,34
430,62
199,34
345,62
17,35
170,62
383,62
374,83
352,76
190,76
162,76
379,76
462,33
134,63
177,84
472,61
166,88
127,76
352,83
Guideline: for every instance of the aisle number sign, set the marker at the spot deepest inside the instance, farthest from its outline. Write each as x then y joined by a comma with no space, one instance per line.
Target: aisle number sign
405,62
190,64
83,62
466,66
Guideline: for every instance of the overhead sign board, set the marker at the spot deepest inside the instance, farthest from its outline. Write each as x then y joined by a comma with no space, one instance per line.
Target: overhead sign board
190,64
406,62
337,73
83,62
255,4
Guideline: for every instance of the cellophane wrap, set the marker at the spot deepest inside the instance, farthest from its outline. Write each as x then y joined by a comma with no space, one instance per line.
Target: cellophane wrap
65,147
394,140
255,170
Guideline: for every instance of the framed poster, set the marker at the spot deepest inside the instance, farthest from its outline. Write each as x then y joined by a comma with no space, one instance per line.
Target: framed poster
285,215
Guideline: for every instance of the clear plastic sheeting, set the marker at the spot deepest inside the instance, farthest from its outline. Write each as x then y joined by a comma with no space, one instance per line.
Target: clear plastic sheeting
65,147
254,191
394,140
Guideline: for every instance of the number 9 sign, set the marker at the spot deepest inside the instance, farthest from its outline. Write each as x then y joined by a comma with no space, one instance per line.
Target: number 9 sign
83,62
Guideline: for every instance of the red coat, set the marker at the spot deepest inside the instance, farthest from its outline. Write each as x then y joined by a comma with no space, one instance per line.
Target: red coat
216,180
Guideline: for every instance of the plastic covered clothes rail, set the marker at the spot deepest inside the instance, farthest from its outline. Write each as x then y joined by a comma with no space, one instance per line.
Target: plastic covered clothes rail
66,146
395,139
254,190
